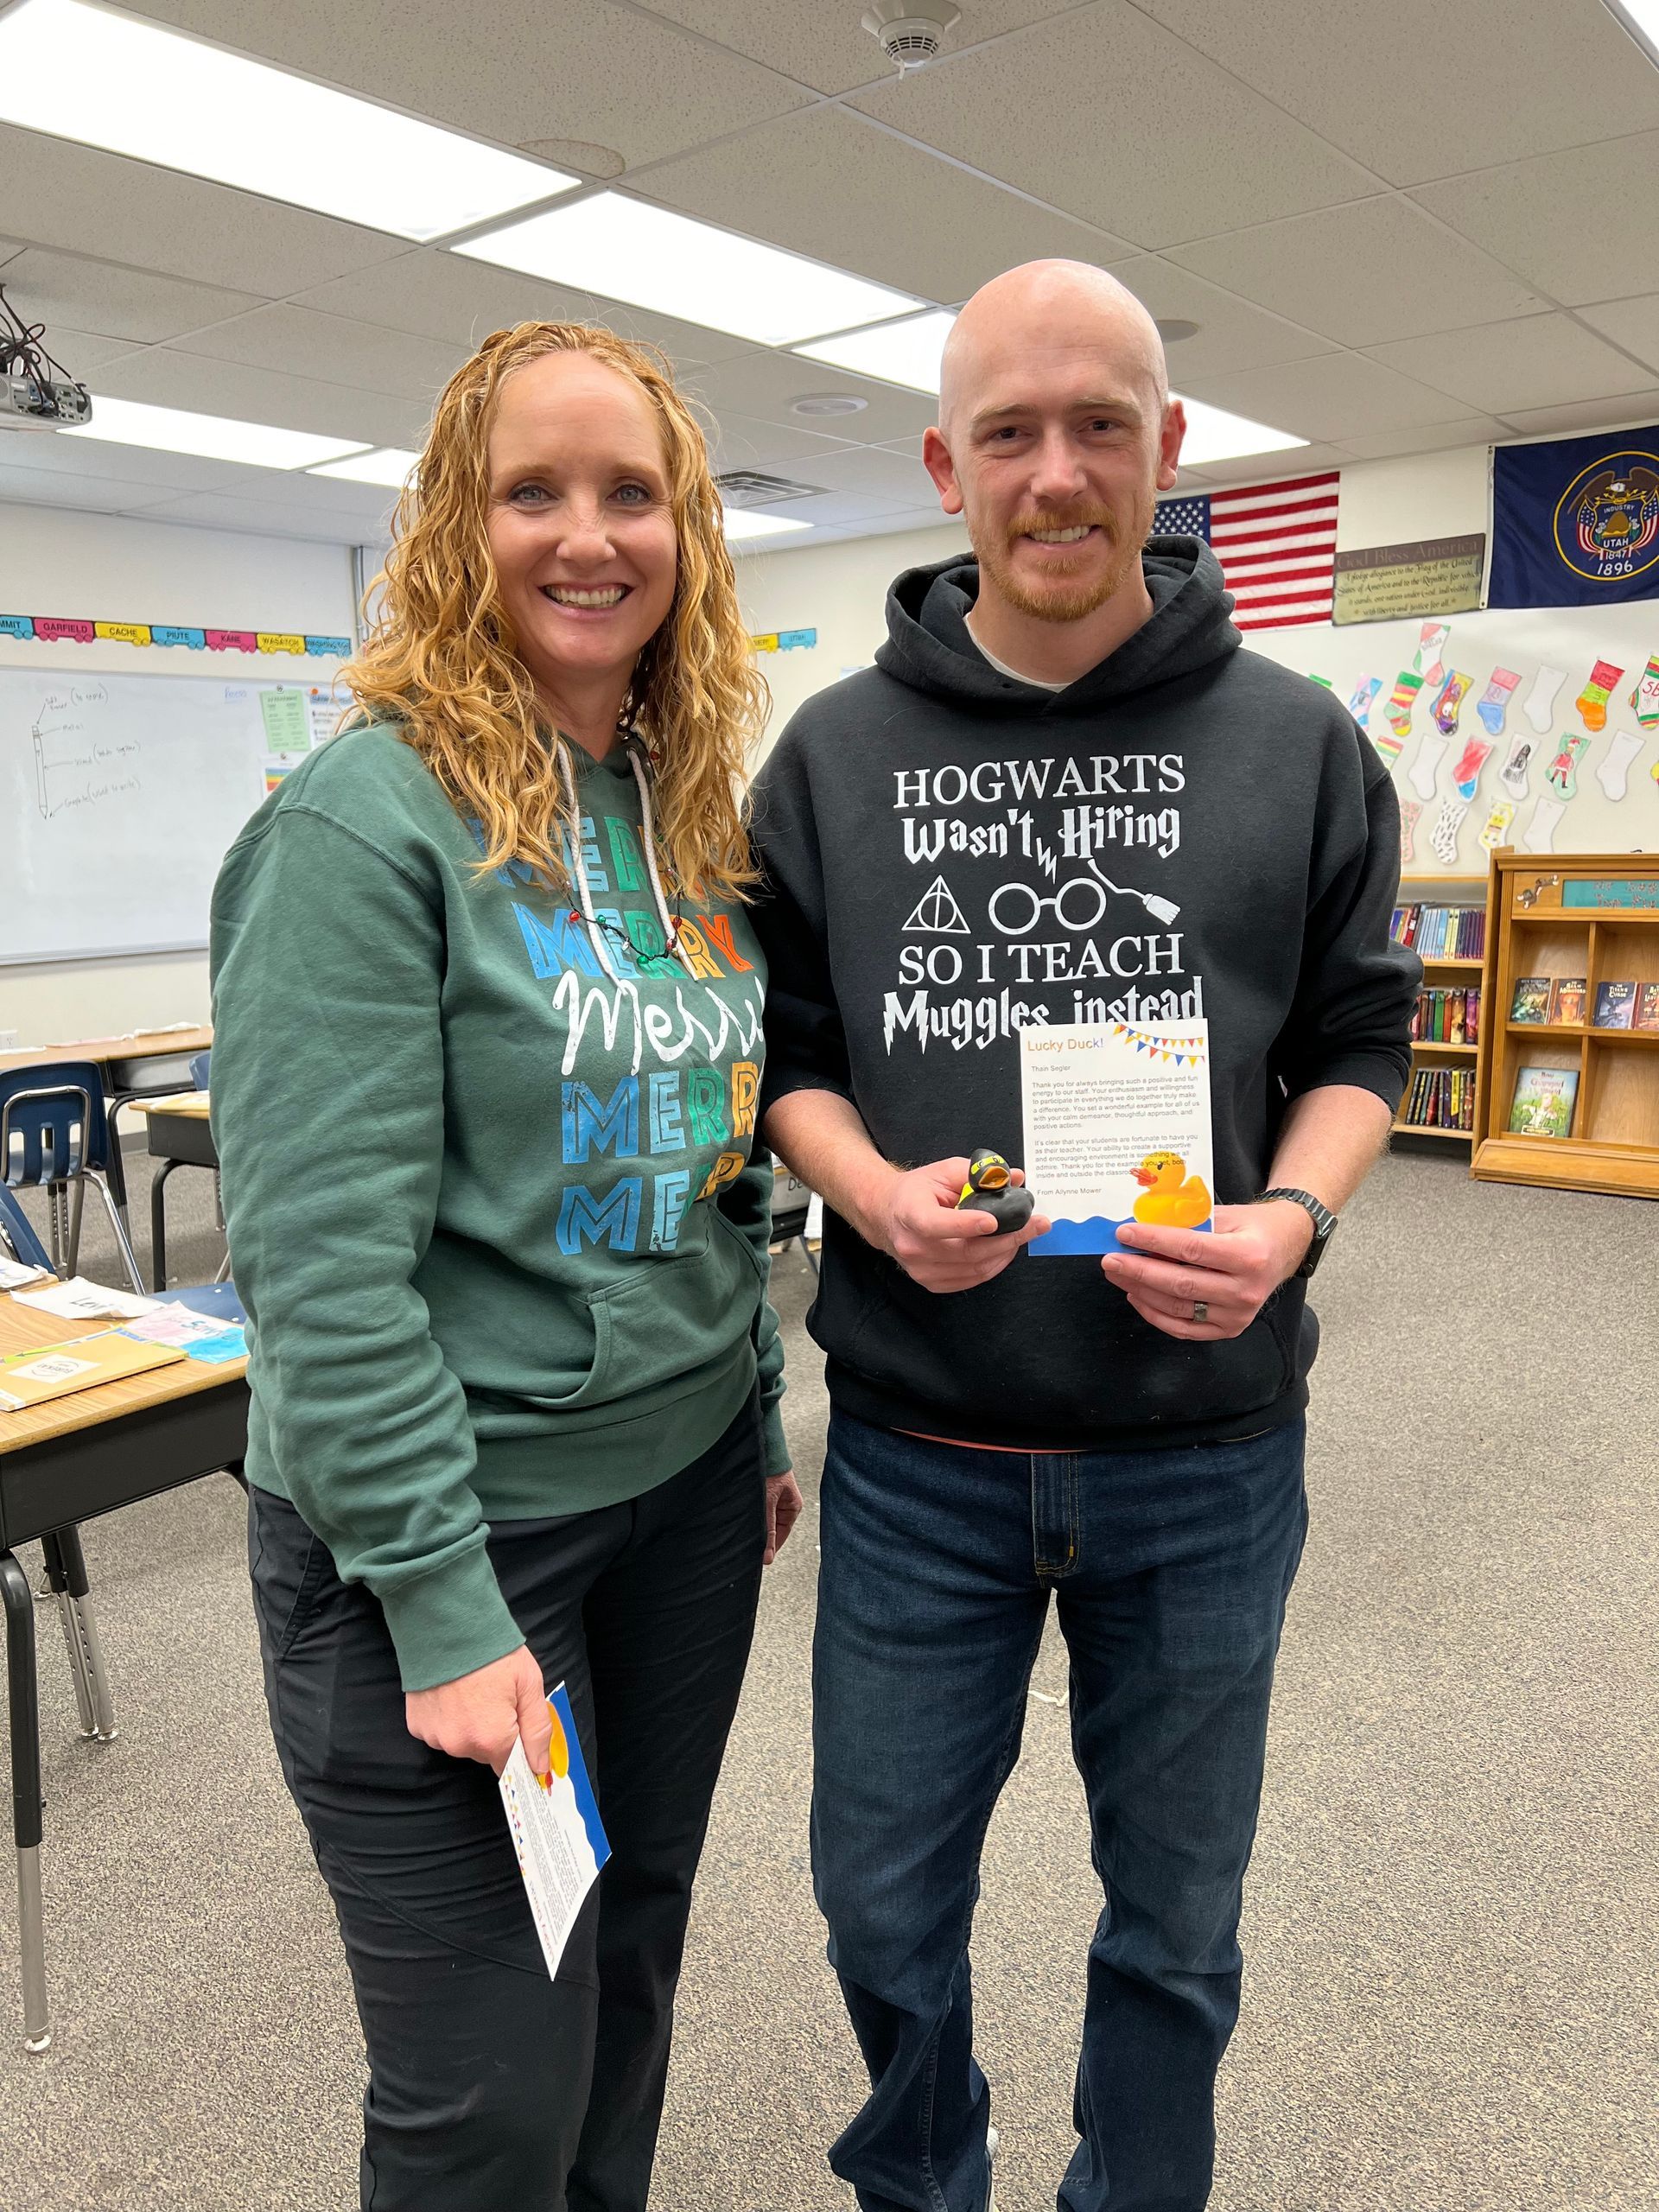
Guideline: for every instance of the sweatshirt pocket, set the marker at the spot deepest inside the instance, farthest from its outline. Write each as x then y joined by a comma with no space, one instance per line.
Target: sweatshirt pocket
662,1324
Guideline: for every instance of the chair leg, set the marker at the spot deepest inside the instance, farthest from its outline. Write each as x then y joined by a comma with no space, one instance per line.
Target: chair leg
66,1569
224,1274
23,1691
97,1178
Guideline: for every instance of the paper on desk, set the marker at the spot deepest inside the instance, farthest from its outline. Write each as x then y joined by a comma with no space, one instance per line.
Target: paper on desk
78,1299
556,1831
201,1335
16,1274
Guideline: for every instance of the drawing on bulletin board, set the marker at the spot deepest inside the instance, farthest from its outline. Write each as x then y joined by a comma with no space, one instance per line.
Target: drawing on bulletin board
120,794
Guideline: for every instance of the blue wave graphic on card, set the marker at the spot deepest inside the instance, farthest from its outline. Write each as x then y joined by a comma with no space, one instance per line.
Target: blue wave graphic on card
564,1757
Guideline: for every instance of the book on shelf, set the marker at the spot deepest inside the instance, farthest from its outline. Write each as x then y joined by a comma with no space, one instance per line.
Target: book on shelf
1440,1098
1615,1006
1531,1001
1543,1103
1647,1007
1566,1000
1442,1017
1441,933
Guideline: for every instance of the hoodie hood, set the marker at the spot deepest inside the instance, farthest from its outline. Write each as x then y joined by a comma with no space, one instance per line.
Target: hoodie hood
929,648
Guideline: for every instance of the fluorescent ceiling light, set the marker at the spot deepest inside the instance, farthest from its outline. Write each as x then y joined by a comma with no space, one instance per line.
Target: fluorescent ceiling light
899,353
215,438
1214,435
107,80
741,522
627,250
1641,19
387,465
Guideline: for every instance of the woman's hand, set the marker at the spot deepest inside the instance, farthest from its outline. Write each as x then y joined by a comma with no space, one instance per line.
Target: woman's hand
782,1511
481,1715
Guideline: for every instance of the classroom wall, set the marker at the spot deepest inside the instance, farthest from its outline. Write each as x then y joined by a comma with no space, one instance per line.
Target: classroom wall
112,568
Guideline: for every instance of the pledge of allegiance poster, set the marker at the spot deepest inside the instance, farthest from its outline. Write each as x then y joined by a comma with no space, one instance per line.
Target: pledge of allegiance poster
1116,1129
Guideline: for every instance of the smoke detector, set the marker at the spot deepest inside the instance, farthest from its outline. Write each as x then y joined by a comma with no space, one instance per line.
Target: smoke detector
827,404
910,32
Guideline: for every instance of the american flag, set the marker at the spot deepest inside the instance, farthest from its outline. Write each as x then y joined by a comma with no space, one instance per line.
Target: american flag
1276,544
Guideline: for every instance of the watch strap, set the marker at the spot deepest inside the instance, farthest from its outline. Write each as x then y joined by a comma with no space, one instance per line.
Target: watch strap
1324,1221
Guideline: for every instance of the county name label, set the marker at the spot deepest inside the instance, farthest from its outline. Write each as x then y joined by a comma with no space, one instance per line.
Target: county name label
1117,1129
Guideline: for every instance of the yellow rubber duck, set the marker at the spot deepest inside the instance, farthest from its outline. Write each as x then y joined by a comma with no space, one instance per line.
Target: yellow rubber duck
1173,1198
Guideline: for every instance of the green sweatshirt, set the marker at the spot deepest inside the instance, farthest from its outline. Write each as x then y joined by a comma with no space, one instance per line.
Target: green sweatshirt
499,1215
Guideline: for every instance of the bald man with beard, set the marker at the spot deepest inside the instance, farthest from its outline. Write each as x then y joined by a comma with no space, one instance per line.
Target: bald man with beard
1064,794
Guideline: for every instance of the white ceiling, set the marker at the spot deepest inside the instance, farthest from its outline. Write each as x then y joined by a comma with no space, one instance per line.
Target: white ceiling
1398,229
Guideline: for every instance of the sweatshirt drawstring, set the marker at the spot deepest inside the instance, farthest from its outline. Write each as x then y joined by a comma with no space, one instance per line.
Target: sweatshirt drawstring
671,930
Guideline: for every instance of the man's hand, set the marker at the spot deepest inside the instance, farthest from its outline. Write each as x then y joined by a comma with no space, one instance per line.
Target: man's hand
480,1716
784,1503
912,1216
1233,1270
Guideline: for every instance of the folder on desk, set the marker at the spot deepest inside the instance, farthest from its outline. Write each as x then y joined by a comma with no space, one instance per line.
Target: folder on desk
33,1378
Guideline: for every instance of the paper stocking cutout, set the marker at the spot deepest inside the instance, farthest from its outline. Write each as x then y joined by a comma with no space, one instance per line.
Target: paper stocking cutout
1452,696
1546,820
1427,766
1497,831
1404,698
1591,702
1465,777
1513,776
1645,696
1409,812
1365,691
1562,773
1387,746
1541,700
1494,700
1613,775
1431,643
1443,837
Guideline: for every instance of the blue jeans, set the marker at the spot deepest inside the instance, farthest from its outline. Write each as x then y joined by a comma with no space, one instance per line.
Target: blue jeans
1171,1569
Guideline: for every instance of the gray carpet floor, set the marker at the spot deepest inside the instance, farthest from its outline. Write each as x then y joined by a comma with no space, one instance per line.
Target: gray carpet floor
1450,1940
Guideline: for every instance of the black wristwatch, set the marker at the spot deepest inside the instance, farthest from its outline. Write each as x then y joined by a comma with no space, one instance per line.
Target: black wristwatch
1324,1221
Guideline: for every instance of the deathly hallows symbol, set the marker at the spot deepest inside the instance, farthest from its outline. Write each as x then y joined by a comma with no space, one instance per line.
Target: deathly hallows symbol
937,913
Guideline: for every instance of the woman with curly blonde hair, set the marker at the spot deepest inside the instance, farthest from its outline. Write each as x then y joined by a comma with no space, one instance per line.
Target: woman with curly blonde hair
487,1054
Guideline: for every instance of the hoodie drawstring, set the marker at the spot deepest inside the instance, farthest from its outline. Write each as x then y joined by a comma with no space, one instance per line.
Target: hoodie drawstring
635,751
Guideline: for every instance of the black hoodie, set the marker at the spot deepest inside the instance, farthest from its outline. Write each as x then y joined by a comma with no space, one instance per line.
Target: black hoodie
924,827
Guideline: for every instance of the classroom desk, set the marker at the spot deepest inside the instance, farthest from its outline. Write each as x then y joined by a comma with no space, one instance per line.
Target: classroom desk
66,1462
179,1136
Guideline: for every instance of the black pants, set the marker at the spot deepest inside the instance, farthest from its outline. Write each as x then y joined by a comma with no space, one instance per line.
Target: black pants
493,2088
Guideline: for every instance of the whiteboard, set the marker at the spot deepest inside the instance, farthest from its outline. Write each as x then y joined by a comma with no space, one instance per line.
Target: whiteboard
119,796
1613,805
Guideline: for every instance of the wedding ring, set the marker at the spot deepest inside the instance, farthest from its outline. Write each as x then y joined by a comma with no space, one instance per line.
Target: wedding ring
1200,1310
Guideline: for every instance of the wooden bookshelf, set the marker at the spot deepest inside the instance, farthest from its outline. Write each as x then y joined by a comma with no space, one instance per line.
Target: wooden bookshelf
1564,915
1447,974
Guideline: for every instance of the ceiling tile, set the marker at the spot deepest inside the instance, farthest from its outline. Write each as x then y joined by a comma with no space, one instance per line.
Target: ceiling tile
1633,324
79,351
1418,89
513,71
458,303
1268,467
829,184
39,488
761,384
1231,333
112,300
1579,226
60,194
741,441
1432,437
1543,360
1332,397
334,349
136,465
1628,411
1377,270
870,472
167,379
1138,133
828,48
265,517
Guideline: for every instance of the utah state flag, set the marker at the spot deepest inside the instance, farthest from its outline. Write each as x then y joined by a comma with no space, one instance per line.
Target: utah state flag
1575,522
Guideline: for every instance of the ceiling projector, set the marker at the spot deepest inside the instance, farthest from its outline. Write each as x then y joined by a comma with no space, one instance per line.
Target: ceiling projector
36,392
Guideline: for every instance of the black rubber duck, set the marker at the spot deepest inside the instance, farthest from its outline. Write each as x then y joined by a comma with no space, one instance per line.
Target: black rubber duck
990,1189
